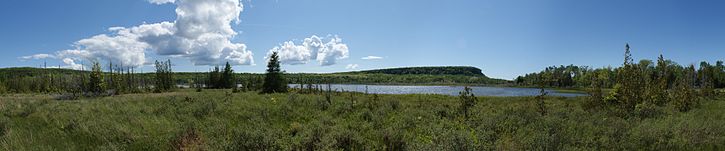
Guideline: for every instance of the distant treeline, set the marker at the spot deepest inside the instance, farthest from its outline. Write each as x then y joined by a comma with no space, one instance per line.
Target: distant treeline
581,76
128,80
449,70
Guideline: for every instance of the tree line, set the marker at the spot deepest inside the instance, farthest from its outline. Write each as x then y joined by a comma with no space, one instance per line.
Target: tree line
639,89
571,76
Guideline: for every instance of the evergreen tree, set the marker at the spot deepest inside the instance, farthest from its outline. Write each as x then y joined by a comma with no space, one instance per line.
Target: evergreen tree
684,97
658,87
274,81
96,84
630,83
227,79
214,78
164,76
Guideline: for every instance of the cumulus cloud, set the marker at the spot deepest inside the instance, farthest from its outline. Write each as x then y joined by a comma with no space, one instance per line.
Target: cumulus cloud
312,48
37,56
351,66
371,58
72,64
201,33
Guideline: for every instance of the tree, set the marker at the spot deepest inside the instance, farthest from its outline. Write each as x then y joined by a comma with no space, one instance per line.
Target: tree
274,81
164,76
214,78
631,83
658,87
96,84
684,97
227,78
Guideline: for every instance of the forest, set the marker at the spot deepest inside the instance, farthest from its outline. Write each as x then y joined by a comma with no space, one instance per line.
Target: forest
571,76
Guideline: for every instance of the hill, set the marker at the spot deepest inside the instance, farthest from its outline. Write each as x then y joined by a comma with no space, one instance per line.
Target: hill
443,70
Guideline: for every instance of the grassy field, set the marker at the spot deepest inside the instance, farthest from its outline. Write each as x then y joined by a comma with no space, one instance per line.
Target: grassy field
220,120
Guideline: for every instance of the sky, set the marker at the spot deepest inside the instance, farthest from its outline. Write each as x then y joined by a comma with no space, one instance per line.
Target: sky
505,38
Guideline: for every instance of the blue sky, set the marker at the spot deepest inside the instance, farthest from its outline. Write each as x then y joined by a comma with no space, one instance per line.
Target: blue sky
504,38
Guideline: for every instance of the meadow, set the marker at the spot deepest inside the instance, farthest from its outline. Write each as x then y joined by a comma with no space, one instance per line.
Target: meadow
222,120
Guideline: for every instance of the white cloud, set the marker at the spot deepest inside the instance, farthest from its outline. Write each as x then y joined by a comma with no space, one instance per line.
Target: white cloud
201,33
312,48
372,58
37,56
71,64
351,66
161,1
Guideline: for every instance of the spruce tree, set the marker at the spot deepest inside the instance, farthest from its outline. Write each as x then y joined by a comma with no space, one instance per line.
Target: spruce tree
227,78
274,82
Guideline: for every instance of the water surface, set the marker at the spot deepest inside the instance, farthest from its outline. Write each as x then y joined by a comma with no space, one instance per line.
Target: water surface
444,90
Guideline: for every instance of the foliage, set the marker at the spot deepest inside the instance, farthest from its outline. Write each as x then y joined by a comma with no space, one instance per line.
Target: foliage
221,78
467,101
164,76
274,81
227,78
684,97
186,120
96,84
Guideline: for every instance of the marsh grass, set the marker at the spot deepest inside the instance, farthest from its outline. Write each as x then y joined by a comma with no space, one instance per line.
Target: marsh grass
219,120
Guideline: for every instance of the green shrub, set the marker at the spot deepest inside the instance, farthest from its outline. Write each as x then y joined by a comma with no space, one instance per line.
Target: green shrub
252,139
467,101
394,141
188,139
646,110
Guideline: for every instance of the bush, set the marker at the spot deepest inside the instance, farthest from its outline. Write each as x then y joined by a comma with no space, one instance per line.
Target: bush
467,101
254,140
646,110
189,139
394,141
394,104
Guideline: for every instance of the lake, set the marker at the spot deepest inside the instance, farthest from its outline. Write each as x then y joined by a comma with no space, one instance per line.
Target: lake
445,90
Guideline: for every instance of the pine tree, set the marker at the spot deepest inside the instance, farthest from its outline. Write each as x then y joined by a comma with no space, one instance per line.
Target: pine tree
274,82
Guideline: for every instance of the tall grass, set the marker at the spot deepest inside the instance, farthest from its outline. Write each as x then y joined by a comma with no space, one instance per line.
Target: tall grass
218,120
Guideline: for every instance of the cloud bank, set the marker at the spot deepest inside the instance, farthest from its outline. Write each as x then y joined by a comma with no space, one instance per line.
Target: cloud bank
202,33
312,48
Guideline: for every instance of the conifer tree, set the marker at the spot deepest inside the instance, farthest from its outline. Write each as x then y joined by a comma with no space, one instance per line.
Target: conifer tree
274,81
227,79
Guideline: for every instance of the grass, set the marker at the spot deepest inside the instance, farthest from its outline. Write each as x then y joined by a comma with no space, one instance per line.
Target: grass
220,120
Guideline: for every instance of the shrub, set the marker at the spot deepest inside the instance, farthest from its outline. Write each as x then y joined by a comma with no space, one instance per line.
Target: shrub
255,140
189,139
394,141
467,101
646,110
346,140
323,105
394,104
540,104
